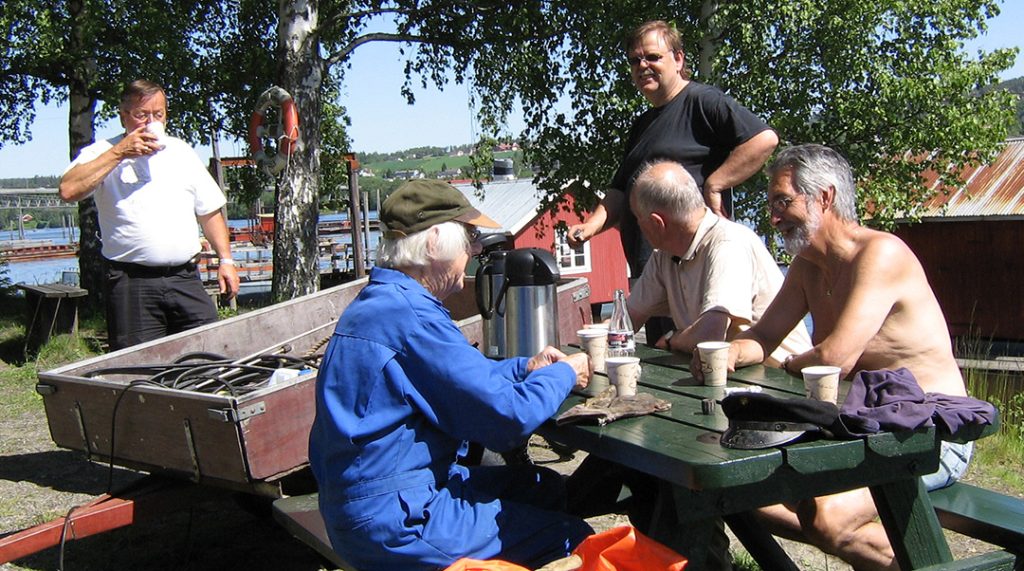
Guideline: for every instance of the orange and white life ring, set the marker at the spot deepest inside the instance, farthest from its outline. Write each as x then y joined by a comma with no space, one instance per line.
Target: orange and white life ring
285,132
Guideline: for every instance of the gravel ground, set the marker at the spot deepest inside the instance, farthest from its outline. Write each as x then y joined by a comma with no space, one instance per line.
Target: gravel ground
39,482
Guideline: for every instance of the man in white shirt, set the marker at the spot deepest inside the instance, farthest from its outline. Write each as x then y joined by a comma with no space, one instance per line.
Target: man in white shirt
150,191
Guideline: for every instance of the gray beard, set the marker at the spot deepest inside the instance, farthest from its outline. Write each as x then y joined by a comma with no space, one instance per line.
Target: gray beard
800,237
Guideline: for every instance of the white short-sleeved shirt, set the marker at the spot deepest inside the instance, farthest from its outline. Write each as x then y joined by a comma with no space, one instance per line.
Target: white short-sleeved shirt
727,268
148,205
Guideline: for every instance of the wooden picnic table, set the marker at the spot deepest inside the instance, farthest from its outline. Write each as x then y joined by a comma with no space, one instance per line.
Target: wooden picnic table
707,481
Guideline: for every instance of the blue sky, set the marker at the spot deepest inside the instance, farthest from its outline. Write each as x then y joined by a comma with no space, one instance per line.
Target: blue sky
381,119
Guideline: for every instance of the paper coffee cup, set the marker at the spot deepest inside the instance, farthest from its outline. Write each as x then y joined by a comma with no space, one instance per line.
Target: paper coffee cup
594,343
821,382
623,374
714,362
157,128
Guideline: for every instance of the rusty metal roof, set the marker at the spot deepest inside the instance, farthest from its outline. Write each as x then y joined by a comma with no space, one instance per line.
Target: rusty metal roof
994,189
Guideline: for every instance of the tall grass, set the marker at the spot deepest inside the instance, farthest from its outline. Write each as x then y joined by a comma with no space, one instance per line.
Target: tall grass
1000,456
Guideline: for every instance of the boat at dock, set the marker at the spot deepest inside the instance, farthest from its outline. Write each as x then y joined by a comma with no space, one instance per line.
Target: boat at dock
24,250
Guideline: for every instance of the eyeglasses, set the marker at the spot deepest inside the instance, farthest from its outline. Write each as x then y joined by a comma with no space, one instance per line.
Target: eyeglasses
649,58
472,234
781,204
140,115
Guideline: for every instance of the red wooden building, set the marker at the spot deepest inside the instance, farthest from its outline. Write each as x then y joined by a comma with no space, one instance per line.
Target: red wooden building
971,244
516,206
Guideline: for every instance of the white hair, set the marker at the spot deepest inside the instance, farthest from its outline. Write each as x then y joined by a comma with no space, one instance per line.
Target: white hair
815,167
406,252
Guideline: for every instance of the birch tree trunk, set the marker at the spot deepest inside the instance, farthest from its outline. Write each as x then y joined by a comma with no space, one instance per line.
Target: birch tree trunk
82,133
296,268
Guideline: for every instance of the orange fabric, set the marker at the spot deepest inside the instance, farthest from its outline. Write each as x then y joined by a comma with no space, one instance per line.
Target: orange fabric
626,549
619,549
466,564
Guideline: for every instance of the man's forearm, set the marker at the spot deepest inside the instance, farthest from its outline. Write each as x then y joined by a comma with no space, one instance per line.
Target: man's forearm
743,162
82,179
215,229
710,326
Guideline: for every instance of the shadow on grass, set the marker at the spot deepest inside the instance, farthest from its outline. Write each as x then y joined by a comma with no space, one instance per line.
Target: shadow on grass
63,471
212,536
12,351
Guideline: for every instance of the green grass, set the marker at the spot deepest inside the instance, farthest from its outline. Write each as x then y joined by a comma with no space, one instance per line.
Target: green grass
18,370
999,457
434,164
743,561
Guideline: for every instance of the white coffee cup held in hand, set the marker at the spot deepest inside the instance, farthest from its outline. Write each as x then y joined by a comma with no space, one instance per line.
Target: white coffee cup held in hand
714,362
595,343
821,382
623,373
157,128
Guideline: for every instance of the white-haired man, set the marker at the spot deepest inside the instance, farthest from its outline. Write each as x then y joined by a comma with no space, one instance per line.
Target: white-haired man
872,309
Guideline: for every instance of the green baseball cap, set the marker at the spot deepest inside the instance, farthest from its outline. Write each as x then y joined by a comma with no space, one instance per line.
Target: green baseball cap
422,203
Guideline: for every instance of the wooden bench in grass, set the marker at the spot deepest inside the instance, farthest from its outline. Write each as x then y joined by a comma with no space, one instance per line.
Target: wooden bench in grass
52,309
982,514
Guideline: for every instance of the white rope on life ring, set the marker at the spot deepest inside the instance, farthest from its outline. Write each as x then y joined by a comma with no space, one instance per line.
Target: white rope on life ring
285,132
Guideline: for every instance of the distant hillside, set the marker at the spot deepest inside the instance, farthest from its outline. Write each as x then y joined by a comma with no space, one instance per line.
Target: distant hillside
430,165
33,182
415,153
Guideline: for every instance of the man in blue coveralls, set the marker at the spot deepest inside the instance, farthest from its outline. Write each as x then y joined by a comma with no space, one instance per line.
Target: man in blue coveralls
401,392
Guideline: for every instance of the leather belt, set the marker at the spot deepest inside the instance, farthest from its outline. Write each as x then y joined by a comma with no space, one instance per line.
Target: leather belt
140,270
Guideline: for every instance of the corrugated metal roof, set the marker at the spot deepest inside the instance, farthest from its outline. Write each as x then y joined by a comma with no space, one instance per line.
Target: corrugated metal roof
513,203
995,189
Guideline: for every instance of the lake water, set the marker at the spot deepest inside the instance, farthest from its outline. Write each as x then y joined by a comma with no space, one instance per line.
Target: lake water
50,271
40,271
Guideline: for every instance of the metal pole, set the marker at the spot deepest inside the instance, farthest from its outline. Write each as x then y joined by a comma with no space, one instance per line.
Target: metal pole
354,215
21,221
366,225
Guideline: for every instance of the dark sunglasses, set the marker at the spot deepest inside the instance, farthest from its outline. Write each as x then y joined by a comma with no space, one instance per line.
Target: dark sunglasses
649,58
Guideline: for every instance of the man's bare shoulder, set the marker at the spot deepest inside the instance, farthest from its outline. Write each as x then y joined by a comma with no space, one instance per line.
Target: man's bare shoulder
884,254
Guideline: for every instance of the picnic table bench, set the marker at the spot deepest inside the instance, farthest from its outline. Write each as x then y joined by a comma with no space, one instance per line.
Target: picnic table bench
982,514
52,309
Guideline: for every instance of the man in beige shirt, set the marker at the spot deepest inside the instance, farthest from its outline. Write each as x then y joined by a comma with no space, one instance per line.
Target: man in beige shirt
714,277
872,309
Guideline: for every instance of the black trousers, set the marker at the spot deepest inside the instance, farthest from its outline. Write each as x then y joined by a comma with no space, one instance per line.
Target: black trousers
146,303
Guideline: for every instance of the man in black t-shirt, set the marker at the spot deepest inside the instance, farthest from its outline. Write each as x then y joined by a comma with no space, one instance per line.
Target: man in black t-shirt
718,141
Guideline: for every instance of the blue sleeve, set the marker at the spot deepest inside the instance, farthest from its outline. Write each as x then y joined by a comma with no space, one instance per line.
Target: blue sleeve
474,398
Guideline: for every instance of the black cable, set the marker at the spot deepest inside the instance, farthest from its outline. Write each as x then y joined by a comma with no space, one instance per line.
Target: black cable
201,355
113,424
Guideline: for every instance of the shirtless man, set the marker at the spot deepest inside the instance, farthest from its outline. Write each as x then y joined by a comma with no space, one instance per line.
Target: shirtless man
872,309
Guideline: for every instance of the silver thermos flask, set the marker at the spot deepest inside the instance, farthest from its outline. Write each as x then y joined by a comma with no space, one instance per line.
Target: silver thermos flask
490,278
529,301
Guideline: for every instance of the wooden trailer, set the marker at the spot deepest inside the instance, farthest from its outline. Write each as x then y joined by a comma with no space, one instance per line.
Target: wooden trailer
250,442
